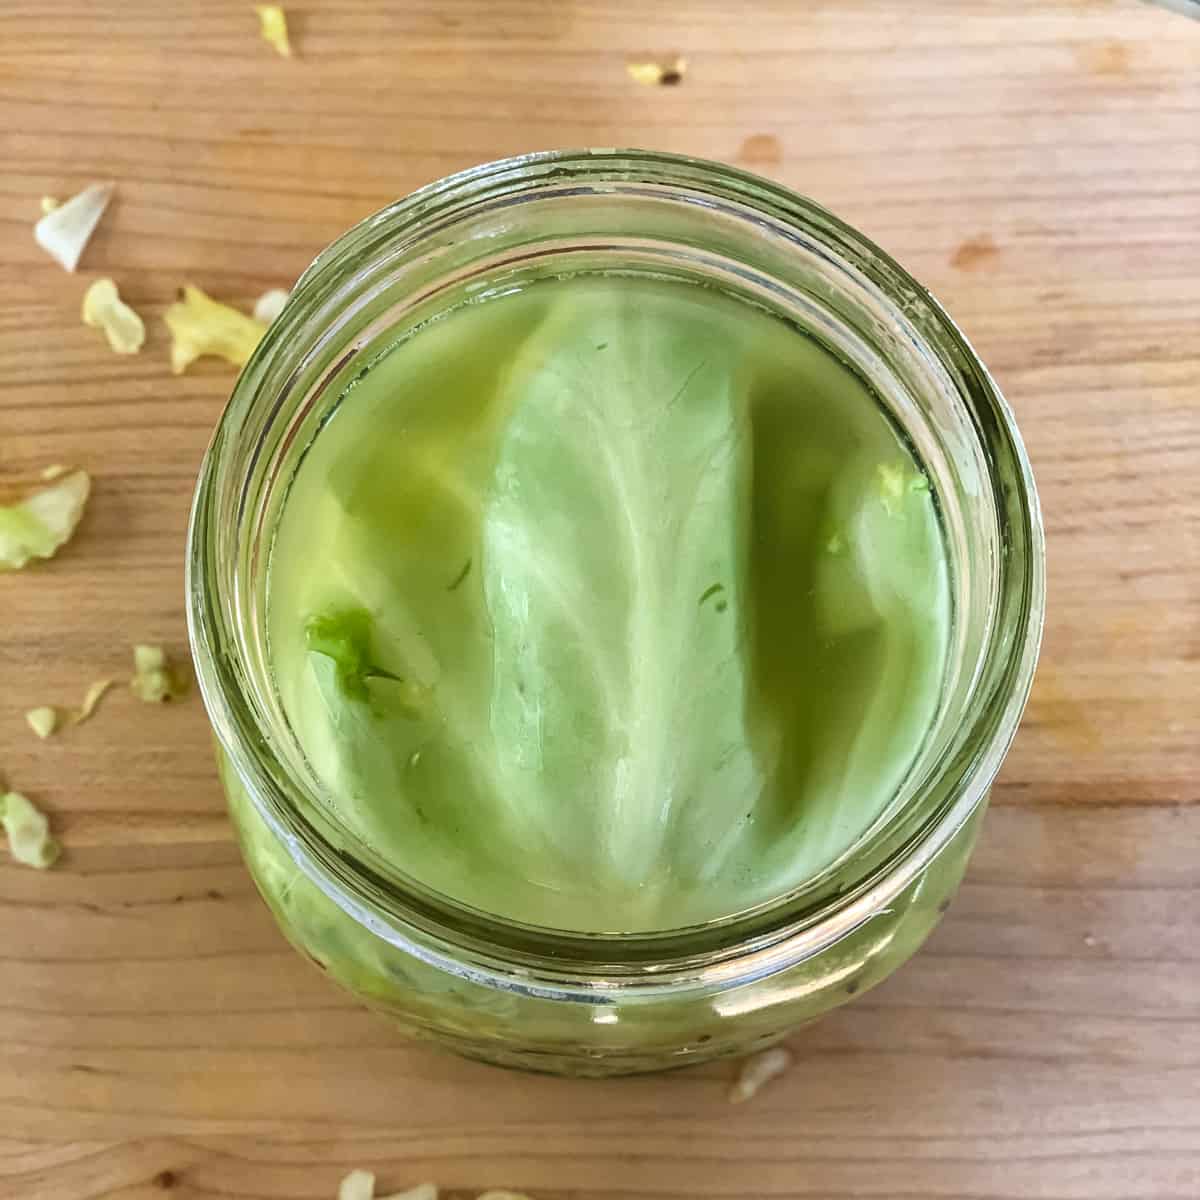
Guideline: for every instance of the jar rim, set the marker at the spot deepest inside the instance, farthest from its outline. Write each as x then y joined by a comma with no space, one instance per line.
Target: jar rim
505,952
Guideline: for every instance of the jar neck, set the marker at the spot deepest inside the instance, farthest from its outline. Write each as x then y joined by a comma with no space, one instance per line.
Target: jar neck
494,228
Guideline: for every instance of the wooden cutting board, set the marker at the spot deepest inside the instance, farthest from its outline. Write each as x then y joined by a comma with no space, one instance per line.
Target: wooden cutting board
1038,165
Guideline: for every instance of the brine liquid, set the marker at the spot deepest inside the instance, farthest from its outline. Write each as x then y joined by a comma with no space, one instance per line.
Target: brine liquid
613,604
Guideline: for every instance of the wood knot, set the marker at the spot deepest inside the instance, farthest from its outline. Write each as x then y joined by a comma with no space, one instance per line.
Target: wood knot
762,149
1107,58
974,252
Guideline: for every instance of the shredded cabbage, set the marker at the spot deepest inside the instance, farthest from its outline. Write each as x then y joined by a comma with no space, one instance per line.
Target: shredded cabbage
43,721
66,229
43,521
273,27
358,1185
154,679
202,326
91,700
758,1070
29,840
104,309
270,304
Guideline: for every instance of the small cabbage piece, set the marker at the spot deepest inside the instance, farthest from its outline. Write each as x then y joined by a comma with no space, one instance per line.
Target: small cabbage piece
65,231
657,74
202,326
91,700
358,1185
49,204
104,309
154,679
423,1191
343,637
758,1070
43,721
46,720
270,304
273,27
28,831
43,521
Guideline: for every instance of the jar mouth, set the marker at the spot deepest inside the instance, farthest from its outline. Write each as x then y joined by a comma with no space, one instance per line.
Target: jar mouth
345,289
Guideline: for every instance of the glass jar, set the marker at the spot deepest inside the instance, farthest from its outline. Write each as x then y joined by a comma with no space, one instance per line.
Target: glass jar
606,1004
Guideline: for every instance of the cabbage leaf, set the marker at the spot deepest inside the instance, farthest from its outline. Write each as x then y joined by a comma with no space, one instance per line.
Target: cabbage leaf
39,525
620,507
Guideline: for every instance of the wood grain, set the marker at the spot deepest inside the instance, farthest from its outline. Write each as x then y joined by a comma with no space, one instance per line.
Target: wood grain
1038,165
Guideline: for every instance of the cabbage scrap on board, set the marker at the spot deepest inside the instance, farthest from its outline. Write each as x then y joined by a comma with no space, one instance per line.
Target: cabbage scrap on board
65,230
91,700
39,525
46,719
155,680
28,830
273,27
658,74
104,309
43,721
360,1185
202,326
270,304
758,1070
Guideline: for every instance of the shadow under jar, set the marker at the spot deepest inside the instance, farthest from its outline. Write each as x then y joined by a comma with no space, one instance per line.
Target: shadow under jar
568,829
